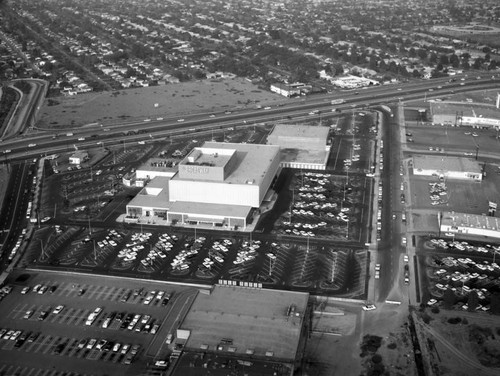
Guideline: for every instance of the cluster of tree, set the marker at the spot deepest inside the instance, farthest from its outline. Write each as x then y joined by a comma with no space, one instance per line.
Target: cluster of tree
450,299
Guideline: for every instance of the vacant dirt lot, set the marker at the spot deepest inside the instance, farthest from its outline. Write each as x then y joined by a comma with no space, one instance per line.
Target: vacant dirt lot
156,101
462,343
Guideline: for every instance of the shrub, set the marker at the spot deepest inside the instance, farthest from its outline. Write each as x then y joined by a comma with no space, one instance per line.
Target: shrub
454,320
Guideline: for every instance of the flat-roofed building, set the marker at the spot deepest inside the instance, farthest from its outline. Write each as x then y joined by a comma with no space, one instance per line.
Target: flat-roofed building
248,324
447,167
154,167
464,224
302,146
218,184
78,157
477,115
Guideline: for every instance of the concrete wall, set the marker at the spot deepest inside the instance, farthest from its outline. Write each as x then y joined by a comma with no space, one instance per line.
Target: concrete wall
268,178
215,193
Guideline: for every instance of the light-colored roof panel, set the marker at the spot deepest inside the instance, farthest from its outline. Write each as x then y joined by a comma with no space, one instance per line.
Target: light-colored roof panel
443,163
300,130
252,161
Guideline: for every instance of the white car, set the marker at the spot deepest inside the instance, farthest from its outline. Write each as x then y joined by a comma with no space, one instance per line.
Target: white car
31,145
180,120
81,139
377,274
405,258
58,309
377,267
431,302
369,307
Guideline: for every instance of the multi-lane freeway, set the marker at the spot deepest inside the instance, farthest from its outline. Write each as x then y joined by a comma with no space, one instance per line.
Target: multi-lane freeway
43,142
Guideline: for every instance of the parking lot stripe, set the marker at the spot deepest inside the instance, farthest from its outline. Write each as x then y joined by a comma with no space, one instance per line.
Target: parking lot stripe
29,371
49,345
115,295
93,290
5,369
67,289
42,343
18,313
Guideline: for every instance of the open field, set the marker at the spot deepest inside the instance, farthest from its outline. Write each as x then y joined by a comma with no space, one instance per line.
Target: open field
461,343
169,100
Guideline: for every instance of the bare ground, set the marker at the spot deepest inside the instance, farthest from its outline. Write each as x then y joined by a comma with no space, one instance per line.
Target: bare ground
151,102
470,347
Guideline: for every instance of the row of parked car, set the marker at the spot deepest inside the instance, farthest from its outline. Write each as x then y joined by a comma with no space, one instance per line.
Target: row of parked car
18,335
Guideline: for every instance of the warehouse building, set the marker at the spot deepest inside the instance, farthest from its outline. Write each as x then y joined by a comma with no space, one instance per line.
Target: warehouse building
218,184
447,167
251,326
302,146
476,115
469,224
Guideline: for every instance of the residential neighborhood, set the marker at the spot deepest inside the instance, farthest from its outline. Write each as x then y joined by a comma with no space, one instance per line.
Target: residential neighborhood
323,45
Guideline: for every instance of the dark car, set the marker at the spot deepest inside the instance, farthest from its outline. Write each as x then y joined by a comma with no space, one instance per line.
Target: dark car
52,289
33,337
43,315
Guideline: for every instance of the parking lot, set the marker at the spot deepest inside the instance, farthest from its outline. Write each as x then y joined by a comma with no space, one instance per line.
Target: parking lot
81,320
183,257
325,205
462,268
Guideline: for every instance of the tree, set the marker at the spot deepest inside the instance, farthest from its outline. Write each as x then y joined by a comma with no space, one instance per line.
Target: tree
454,61
444,60
449,298
422,54
472,301
432,58
495,303
478,63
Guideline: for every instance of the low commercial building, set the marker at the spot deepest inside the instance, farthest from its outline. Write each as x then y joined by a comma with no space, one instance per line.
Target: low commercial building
445,167
78,157
302,146
156,167
248,325
290,90
218,184
476,115
469,224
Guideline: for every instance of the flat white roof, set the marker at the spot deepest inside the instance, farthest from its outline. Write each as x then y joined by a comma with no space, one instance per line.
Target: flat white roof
465,109
252,161
443,163
300,130
160,200
470,221
157,164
